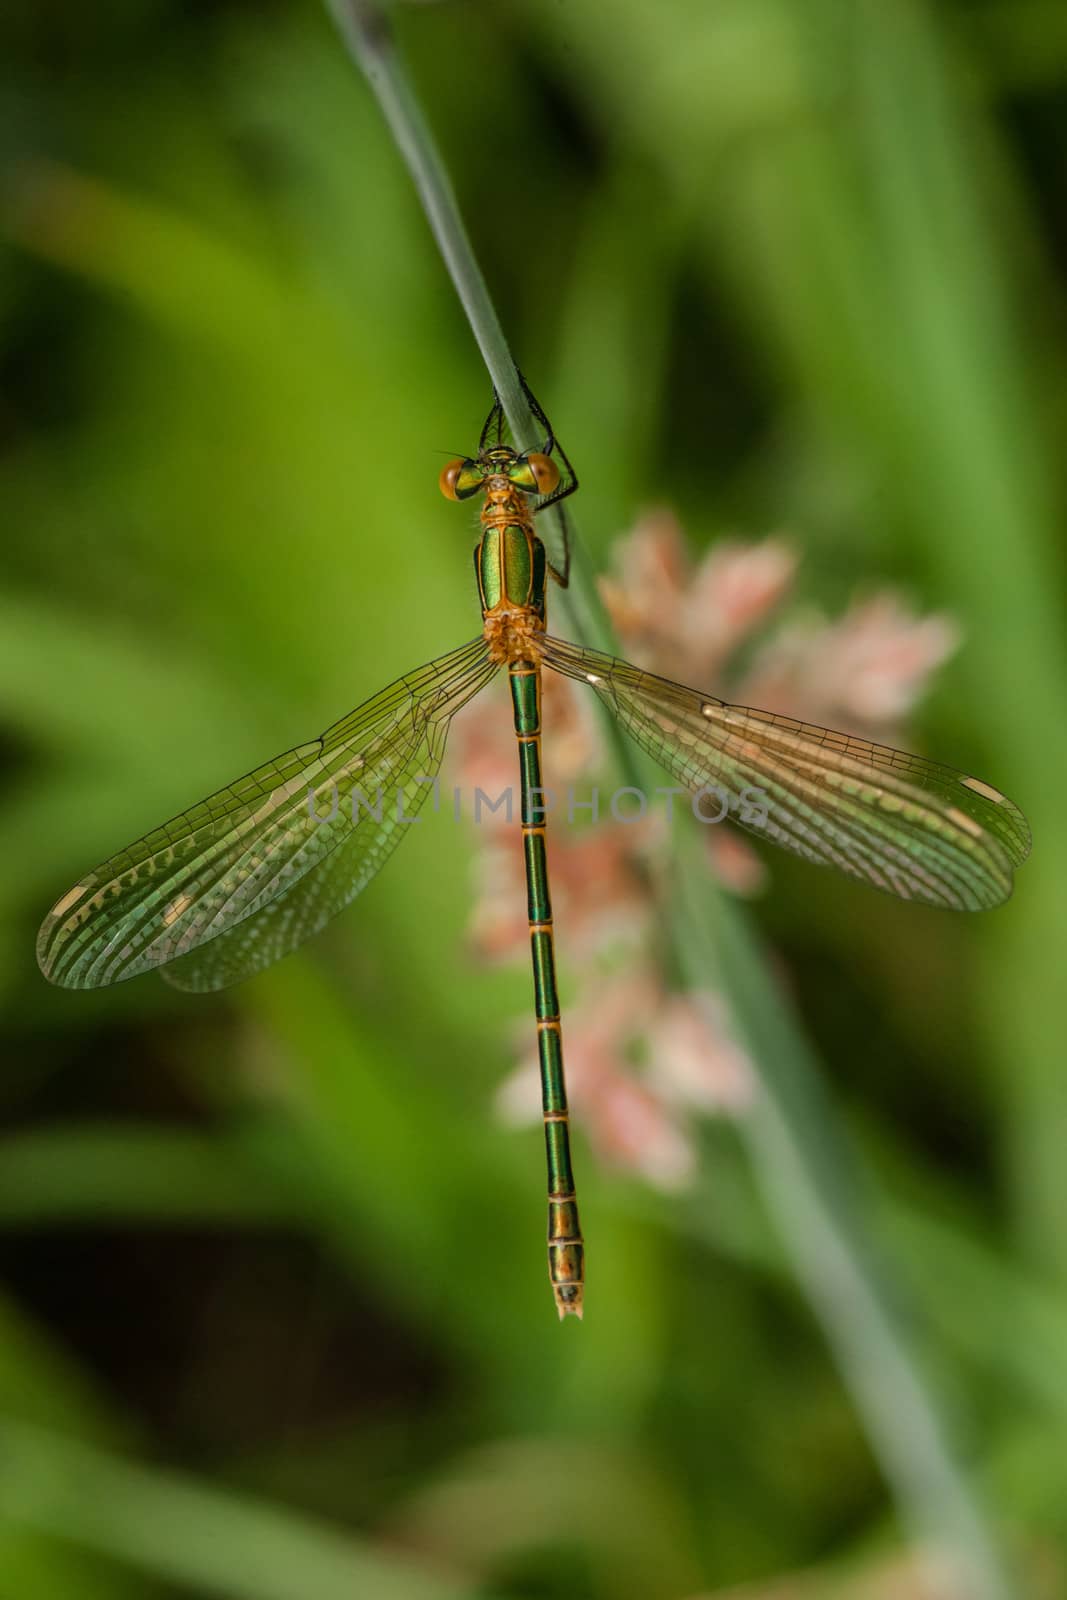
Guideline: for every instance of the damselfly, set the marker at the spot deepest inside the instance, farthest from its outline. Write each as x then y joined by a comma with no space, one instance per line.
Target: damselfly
248,874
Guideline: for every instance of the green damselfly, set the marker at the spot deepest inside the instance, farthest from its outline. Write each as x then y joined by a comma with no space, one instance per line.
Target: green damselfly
251,872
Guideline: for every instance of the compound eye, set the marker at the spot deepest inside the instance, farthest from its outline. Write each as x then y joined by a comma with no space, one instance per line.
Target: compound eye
535,473
460,479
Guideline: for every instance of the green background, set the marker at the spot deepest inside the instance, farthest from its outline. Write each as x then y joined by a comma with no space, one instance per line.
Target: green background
274,1317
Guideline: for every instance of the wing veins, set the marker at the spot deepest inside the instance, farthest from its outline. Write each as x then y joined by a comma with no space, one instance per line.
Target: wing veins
100,931
843,801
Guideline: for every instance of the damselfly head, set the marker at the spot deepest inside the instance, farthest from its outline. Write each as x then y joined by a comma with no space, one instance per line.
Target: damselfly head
532,472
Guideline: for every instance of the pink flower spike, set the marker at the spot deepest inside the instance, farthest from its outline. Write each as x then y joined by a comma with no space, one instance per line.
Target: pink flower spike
595,1038
890,655
862,673
483,754
735,587
681,622
573,745
633,1122
644,599
632,1128
695,1060
654,568
599,896
499,927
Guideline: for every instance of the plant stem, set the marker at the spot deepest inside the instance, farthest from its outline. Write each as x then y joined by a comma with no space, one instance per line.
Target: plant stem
365,30
798,1151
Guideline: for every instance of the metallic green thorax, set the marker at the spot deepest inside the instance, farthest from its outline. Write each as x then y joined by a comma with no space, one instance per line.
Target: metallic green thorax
510,563
566,1254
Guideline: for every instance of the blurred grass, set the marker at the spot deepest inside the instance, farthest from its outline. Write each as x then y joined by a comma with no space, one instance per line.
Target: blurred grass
212,1542
777,263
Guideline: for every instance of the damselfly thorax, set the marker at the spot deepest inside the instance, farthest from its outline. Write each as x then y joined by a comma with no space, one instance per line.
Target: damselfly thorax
509,561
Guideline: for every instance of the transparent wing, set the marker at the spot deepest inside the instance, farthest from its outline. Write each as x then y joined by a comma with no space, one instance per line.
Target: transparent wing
396,780
905,825
306,830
